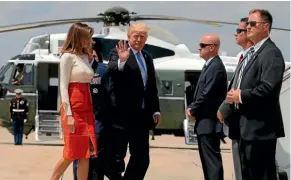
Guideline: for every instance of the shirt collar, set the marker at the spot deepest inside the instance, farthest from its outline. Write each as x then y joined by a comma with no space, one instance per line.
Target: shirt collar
260,43
208,61
133,50
246,51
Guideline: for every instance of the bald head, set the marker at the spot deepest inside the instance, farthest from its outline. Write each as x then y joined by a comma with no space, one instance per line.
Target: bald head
209,46
137,35
211,39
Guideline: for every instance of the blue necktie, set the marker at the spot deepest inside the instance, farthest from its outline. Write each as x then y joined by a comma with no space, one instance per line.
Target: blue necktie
143,69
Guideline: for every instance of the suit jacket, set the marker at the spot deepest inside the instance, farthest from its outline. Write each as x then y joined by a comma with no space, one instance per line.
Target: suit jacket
99,93
210,92
231,117
261,117
127,91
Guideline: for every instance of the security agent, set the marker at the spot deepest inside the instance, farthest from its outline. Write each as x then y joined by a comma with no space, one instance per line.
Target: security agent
98,167
18,115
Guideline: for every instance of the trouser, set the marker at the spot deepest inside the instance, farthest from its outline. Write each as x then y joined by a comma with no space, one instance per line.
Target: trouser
236,161
98,167
258,159
211,160
138,139
18,131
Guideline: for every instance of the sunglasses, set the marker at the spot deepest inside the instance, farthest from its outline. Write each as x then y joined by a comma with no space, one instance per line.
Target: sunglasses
238,30
203,45
254,23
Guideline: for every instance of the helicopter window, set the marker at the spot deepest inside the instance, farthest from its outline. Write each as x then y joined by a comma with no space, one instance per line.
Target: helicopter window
24,75
6,73
36,44
167,88
104,46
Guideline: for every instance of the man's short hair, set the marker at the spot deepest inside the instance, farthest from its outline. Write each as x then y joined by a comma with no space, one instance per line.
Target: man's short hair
265,14
141,27
244,19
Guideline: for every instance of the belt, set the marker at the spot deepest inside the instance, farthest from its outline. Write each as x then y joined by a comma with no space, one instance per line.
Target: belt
18,110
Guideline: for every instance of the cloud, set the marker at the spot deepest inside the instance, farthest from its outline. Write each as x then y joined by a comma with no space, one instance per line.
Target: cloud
12,43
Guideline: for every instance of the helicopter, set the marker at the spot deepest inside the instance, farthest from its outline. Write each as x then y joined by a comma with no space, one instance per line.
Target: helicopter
177,70
177,73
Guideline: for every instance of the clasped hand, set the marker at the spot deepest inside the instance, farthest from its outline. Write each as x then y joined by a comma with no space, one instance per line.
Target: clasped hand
233,96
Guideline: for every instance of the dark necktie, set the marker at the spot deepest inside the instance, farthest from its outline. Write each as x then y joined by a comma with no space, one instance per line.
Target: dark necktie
245,62
240,75
240,58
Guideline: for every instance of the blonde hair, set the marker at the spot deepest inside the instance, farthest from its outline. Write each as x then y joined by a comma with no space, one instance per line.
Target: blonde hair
138,27
76,35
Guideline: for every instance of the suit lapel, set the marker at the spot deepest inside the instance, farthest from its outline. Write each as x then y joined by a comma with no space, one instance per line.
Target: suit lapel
202,75
214,59
238,67
134,66
132,61
254,57
146,60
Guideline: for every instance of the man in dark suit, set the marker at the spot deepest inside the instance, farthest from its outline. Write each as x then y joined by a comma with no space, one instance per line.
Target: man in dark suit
257,100
135,102
226,112
210,92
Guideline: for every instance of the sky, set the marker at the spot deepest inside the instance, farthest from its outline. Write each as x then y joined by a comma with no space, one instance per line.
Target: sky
12,43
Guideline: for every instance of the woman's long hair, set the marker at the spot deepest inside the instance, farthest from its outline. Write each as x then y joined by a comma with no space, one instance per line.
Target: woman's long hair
78,33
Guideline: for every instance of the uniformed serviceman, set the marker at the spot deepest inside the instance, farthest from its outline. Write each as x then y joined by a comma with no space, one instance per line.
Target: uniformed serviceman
98,167
18,115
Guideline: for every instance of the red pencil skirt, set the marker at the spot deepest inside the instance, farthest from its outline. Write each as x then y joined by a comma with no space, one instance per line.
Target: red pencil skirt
82,143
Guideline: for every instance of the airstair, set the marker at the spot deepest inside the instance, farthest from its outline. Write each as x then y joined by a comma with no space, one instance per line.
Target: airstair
48,126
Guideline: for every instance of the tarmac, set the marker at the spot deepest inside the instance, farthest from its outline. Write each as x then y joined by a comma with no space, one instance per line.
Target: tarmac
171,159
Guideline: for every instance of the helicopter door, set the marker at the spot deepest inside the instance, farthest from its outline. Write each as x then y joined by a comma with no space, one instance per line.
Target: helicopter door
171,95
47,123
191,79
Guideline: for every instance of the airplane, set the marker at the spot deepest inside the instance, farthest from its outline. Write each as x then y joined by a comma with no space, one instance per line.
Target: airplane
177,70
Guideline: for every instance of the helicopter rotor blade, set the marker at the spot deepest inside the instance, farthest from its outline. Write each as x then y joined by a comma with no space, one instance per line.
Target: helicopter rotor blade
174,18
39,24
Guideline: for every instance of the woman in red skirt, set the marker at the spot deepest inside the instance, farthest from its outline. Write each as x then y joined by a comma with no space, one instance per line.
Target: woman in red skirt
76,104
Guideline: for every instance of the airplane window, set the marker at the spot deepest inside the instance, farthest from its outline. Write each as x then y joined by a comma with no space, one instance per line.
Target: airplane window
104,47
